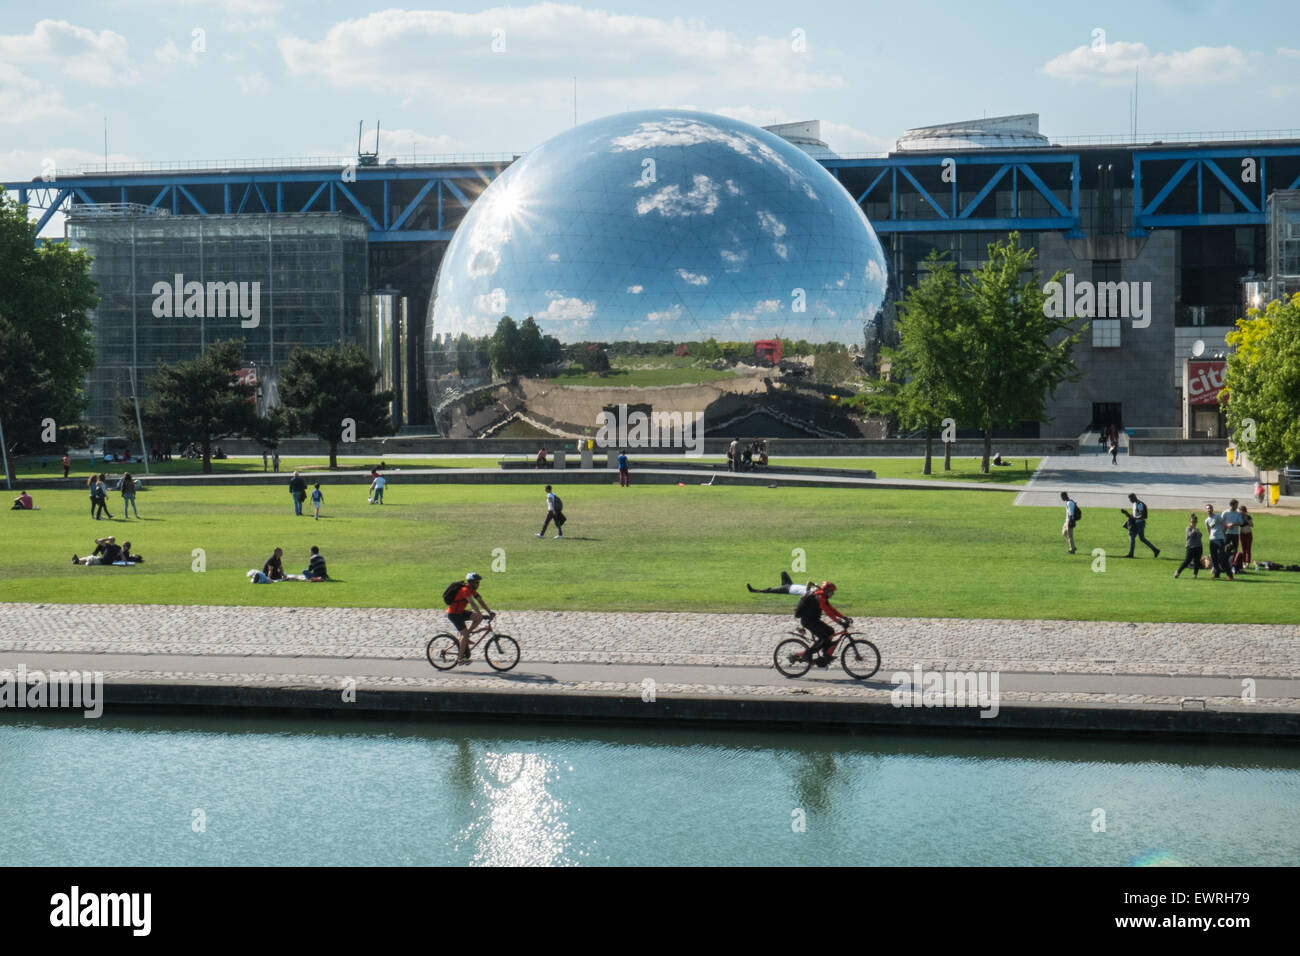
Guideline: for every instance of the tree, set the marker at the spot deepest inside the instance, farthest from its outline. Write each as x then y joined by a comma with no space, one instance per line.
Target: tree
45,343
321,388
504,347
536,351
201,400
921,390
1261,395
1009,362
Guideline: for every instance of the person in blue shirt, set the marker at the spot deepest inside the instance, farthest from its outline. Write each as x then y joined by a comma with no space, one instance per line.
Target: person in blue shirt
622,469
317,499
1136,524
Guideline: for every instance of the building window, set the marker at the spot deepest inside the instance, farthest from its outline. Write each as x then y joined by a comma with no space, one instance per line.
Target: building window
1105,333
1105,270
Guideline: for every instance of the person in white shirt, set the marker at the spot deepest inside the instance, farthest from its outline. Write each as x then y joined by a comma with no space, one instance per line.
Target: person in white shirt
554,512
1071,519
377,490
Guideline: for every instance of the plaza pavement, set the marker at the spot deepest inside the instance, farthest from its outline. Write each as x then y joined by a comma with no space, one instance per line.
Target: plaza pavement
1172,667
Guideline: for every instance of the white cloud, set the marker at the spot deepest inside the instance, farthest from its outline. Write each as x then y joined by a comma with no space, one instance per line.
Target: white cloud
670,201
567,309
96,58
235,15
23,98
494,302
694,278
540,48
1115,65
669,314
1286,51
635,289
253,83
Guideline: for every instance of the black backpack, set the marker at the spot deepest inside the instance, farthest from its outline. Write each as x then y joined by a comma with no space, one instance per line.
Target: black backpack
559,505
1078,512
450,591
808,606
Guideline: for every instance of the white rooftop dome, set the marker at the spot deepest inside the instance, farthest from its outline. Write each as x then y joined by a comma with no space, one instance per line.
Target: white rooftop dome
1015,132
807,135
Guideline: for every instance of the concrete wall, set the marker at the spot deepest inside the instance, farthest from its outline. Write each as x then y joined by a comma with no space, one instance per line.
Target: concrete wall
1140,374
1179,446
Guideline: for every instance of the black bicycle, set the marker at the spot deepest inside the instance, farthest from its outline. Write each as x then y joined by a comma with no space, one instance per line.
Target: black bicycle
858,656
501,651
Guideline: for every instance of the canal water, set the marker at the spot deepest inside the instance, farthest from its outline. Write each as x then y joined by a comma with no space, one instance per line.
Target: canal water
146,790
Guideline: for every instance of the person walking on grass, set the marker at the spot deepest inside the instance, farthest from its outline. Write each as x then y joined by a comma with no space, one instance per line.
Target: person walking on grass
67,464
1218,543
1072,516
622,469
554,512
101,497
1136,525
275,461
317,499
298,490
1192,556
127,487
377,489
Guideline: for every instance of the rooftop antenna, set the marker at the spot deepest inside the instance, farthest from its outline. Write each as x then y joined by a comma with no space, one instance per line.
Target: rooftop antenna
1135,103
105,144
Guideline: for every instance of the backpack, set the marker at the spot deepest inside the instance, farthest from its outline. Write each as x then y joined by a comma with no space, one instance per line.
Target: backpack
808,606
1078,512
450,591
559,505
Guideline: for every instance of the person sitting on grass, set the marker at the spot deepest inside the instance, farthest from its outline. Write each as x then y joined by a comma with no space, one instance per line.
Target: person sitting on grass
274,567
22,503
129,556
107,550
315,570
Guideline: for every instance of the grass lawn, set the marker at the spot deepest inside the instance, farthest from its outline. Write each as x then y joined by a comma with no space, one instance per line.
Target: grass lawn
29,467
923,553
963,469
622,377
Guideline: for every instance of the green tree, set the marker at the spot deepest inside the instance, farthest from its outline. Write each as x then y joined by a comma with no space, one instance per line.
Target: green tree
504,347
201,400
1261,396
1013,355
45,343
921,391
321,387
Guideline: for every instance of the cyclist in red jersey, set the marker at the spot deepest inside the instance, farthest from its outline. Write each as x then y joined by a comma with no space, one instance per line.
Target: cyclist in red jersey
809,611
459,611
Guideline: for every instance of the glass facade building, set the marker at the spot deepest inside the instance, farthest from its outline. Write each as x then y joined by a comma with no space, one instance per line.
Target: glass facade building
169,285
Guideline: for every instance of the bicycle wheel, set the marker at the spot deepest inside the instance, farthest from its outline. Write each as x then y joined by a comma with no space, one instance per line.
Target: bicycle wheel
502,652
859,657
443,651
785,660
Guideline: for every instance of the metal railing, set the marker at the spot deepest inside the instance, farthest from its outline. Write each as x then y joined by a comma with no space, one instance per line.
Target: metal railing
296,162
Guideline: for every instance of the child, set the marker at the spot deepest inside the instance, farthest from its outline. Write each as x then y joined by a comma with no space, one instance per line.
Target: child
317,499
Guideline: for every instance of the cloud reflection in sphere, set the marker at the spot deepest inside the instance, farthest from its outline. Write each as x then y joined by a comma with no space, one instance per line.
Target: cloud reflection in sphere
664,225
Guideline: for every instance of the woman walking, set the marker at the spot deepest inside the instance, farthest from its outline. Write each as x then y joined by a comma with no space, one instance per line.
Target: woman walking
127,487
1192,559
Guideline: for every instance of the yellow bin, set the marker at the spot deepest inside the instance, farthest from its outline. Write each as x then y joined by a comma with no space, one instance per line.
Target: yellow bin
1274,493
1232,453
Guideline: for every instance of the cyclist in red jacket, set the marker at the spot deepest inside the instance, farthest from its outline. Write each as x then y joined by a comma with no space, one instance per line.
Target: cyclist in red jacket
809,611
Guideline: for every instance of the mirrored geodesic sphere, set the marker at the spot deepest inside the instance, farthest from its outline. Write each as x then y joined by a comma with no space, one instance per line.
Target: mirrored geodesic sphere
662,225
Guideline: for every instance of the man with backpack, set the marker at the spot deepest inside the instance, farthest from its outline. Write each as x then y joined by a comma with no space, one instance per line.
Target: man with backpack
1136,525
458,596
554,512
1072,515
809,611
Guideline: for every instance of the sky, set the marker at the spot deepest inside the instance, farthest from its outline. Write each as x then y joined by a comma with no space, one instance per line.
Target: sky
194,80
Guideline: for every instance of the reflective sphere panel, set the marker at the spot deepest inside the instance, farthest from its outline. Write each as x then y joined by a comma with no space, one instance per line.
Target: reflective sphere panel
664,225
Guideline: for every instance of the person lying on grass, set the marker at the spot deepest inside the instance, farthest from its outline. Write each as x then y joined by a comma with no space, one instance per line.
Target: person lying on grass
107,551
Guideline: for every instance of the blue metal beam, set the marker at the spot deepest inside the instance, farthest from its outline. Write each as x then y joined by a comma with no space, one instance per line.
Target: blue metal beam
53,208
1043,191
1169,187
365,213
983,193
456,192
193,202
413,205
921,189
1229,185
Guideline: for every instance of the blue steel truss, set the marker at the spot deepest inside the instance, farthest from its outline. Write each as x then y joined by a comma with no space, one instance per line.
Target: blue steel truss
425,203
1250,197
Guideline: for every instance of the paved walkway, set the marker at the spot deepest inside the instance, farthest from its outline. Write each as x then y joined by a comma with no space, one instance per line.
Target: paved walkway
1105,664
1162,482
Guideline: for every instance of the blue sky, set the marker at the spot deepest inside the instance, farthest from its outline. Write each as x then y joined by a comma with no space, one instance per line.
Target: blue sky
277,78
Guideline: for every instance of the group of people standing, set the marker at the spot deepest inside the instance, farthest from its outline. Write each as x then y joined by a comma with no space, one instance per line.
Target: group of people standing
746,457
97,485
1231,536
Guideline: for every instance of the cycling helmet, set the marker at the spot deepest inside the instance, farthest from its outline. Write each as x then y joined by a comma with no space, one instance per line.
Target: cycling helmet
828,587
473,577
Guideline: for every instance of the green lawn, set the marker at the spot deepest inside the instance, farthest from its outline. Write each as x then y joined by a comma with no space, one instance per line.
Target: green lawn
29,467
923,553
624,377
963,469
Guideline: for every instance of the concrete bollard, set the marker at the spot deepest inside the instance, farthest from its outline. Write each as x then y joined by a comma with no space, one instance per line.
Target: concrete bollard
586,457
559,459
